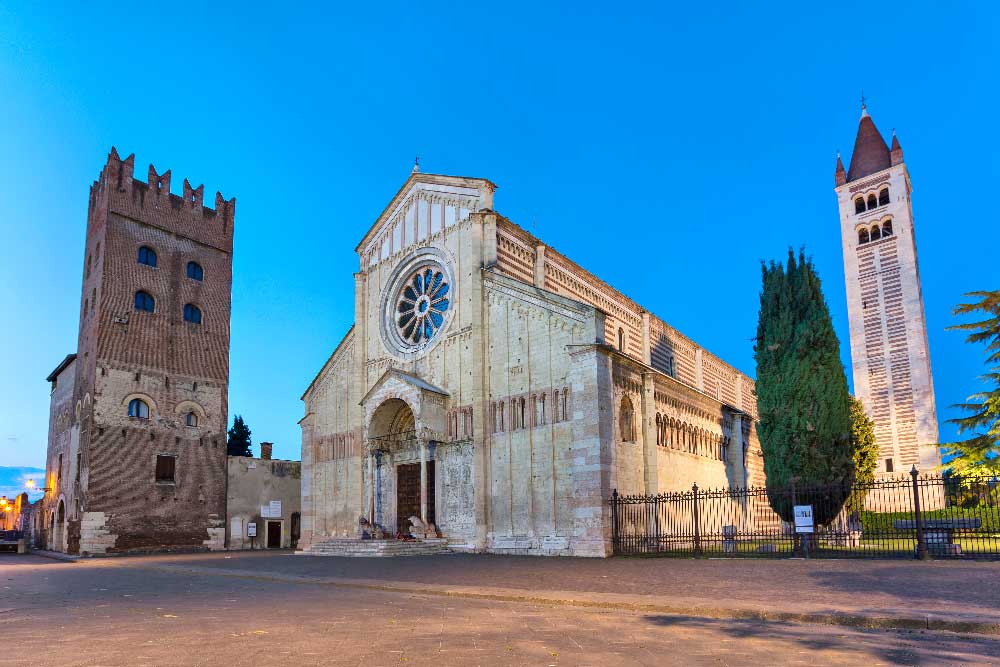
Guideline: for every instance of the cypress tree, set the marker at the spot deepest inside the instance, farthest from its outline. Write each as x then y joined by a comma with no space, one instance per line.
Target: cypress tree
802,399
239,442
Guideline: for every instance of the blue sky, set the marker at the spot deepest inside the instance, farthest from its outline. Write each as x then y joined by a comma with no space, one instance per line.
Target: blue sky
668,150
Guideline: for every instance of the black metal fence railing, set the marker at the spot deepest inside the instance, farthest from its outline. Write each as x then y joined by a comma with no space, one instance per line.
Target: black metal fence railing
922,516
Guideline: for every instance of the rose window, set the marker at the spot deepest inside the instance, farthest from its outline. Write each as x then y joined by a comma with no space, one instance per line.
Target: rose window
422,304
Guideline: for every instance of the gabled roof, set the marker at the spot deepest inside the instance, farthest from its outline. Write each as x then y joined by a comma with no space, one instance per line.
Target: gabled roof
871,154
328,360
70,358
430,179
409,378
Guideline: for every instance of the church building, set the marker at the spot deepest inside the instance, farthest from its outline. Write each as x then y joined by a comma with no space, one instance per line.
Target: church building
495,389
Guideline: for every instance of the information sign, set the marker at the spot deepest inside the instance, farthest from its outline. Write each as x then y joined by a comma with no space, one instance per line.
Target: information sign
804,519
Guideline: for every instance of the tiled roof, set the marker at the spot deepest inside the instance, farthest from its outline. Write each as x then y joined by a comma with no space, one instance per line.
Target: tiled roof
871,153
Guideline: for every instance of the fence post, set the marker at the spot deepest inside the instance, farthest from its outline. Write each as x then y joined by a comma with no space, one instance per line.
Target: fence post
615,536
796,546
921,544
697,523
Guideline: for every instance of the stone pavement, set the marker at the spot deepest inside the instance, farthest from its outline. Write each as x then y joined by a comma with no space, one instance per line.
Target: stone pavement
958,596
154,611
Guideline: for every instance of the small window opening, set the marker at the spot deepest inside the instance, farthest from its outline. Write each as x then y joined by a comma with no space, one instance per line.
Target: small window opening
192,314
883,197
191,419
138,408
872,202
147,256
887,228
863,236
889,467
876,234
144,301
165,468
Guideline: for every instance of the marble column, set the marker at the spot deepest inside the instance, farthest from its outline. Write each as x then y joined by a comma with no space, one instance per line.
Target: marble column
423,482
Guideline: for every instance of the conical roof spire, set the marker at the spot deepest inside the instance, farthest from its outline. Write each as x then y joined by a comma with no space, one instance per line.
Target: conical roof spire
871,153
840,176
896,151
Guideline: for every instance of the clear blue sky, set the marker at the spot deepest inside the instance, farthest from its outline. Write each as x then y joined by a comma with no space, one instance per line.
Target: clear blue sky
667,150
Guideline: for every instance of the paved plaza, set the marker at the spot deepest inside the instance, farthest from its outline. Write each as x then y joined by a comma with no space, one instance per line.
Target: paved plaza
278,609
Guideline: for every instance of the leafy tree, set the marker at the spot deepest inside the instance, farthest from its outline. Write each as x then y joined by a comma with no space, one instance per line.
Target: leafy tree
802,397
980,453
239,438
865,454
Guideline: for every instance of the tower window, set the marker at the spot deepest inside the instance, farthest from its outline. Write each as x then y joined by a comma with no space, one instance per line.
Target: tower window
872,202
165,468
889,467
144,301
138,408
194,271
862,236
621,339
191,419
147,256
859,205
192,314
887,228
883,197
876,234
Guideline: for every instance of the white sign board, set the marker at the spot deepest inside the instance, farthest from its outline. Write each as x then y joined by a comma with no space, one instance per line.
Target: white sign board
804,519
265,511
251,530
236,527
275,507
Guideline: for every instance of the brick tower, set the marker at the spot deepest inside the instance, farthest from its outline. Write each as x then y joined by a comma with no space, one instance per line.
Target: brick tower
137,450
889,351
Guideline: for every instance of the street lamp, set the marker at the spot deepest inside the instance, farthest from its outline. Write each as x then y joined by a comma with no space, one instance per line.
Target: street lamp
30,484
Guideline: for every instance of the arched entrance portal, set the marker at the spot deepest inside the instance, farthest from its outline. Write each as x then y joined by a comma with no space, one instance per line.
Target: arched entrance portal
59,530
401,473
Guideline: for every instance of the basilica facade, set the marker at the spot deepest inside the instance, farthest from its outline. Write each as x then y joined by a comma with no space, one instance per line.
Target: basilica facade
497,390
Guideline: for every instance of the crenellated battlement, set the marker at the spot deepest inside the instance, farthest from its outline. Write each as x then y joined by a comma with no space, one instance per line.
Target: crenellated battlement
151,202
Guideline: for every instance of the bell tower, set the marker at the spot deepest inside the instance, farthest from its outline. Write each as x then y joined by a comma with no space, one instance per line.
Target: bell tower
889,351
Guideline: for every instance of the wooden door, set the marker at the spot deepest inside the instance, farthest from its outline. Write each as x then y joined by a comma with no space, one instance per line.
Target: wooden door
273,534
408,494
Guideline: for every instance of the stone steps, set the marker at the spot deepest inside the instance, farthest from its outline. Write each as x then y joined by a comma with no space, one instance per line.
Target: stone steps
357,548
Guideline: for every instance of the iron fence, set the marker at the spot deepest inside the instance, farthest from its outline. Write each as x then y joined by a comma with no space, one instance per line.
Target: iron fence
911,516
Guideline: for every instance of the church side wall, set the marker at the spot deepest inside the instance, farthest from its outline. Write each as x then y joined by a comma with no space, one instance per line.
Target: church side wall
332,488
532,405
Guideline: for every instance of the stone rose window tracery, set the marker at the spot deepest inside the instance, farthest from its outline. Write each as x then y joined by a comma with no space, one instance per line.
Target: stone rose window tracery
422,305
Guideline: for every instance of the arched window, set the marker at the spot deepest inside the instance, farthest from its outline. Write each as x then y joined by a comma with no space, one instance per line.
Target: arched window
887,228
192,314
875,234
859,205
194,271
138,408
883,197
147,256
862,236
191,419
144,301
872,202
521,422
621,339
627,418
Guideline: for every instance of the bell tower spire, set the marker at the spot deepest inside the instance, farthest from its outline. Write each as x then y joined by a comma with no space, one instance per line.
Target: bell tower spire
890,357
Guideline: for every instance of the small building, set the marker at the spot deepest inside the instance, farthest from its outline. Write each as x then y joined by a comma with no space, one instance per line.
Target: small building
263,502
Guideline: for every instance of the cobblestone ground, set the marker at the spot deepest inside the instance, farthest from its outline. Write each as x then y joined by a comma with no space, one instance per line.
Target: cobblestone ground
125,612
